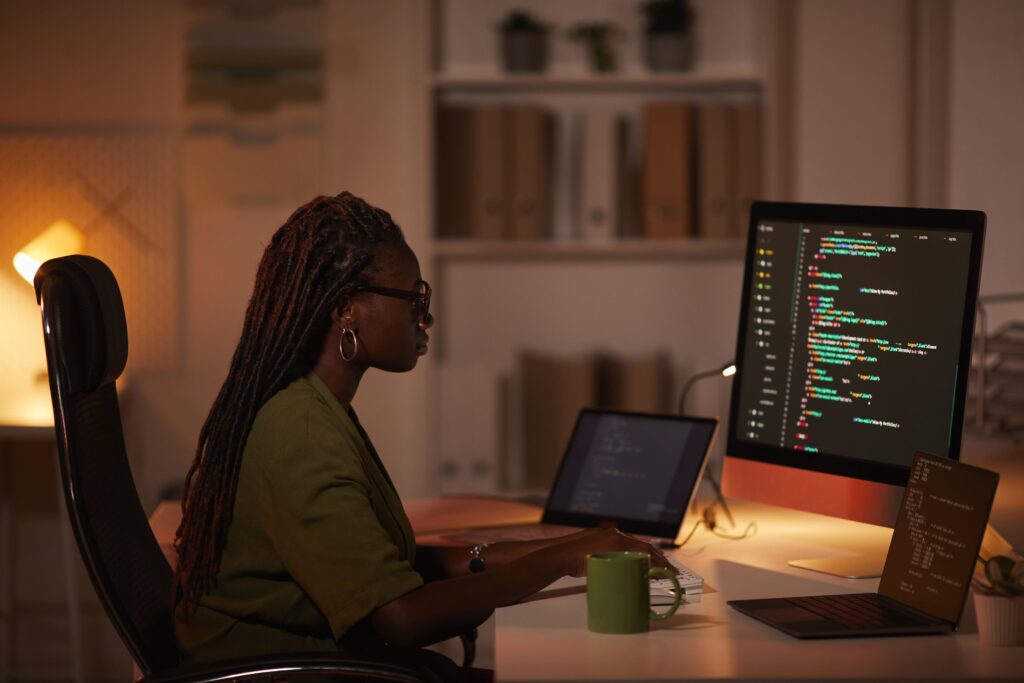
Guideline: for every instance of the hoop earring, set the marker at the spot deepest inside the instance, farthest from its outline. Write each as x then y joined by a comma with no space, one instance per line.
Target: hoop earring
341,344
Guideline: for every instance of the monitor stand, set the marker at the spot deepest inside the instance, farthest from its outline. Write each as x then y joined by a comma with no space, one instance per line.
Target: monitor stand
851,567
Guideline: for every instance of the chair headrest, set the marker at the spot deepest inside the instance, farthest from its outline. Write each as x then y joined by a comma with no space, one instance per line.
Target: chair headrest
84,313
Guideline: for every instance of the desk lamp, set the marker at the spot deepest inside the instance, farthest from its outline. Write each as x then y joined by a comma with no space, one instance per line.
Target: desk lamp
60,239
726,370
25,400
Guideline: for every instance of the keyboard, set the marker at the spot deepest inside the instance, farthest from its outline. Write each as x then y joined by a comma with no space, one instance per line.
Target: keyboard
690,581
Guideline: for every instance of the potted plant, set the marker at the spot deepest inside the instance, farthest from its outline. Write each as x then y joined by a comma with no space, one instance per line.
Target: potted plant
597,37
999,602
524,43
668,36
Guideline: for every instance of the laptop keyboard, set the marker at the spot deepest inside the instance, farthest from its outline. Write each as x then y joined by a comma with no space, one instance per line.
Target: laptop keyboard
856,611
689,580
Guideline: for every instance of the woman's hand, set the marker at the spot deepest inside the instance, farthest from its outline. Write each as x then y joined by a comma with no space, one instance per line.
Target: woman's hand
583,543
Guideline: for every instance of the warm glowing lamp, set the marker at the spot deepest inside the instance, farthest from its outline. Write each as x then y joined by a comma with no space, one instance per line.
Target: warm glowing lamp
60,239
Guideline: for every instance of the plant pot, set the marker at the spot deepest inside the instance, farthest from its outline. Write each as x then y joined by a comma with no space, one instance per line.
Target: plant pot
668,51
524,51
1000,619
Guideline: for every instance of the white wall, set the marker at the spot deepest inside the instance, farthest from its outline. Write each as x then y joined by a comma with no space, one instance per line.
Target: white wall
986,169
854,116
852,102
376,147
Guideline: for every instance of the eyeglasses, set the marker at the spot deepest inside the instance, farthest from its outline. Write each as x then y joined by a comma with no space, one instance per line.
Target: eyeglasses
419,298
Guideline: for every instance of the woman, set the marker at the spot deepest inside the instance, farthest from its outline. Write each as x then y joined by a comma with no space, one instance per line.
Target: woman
293,537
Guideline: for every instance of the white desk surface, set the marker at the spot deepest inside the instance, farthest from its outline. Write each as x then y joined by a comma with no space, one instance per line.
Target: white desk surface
547,640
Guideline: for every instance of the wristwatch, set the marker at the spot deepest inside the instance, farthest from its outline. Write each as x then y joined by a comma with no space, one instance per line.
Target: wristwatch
476,560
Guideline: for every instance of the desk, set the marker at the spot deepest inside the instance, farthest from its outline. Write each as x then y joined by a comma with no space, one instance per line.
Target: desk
431,518
547,639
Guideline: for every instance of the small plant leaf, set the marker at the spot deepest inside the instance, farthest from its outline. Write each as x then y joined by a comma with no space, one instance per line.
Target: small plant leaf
998,569
1017,573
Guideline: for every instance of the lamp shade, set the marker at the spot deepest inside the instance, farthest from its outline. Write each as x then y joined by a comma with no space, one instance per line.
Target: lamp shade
60,239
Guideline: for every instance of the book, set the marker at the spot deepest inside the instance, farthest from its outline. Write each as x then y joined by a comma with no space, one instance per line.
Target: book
452,172
531,148
471,172
469,448
554,389
716,170
600,159
667,171
488,177
636,383
748,162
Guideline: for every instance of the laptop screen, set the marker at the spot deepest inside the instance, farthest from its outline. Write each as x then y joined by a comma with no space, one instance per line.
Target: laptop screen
938,533
634,469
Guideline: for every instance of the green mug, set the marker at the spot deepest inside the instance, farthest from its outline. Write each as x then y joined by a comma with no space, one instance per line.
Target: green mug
619,594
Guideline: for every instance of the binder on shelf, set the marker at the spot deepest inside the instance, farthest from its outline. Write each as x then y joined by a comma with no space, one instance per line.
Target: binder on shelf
531,148
667,175
471,172
488,178
638,383
469,447
494,172
553,389
749,158
600,159
716,170
452,172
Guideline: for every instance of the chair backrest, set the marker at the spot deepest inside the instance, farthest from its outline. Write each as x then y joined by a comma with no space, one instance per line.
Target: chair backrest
86,349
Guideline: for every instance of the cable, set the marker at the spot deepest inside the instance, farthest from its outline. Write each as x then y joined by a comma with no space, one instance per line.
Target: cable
708,520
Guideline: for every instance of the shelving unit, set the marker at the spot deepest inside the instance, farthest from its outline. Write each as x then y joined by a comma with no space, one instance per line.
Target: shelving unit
565,296
721,80
451,251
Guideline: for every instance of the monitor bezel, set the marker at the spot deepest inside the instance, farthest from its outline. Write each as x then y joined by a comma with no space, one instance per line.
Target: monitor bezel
643,527
972,222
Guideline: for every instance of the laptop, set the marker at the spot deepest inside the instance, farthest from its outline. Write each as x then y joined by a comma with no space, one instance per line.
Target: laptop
637,472
927,572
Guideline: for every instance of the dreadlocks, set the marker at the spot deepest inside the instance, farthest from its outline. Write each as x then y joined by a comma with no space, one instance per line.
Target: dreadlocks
314,262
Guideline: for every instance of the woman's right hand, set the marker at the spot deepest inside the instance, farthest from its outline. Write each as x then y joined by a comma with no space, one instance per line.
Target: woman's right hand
577,546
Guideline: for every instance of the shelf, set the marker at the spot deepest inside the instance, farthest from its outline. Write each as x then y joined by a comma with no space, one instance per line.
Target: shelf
622,250
691,81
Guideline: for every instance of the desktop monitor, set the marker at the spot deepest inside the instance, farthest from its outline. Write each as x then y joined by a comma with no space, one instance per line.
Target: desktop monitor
853,353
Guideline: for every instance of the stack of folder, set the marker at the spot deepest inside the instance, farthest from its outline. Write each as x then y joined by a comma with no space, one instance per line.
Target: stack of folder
702,168
698,164
494,172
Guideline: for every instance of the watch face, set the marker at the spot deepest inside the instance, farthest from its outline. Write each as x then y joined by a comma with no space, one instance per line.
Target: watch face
476,564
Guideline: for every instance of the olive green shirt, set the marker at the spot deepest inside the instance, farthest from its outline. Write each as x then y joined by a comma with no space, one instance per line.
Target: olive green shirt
317,542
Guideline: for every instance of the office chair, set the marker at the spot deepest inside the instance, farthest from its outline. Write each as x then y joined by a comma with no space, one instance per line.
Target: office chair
86,349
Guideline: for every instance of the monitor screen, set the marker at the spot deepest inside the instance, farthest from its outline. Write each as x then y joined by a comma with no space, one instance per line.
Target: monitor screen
854,341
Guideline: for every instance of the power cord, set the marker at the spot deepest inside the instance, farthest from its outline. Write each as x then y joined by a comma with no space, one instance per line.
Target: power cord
708,520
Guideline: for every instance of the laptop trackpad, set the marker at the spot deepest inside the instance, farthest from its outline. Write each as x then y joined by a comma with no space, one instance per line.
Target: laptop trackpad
799,622
790,614
791,618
